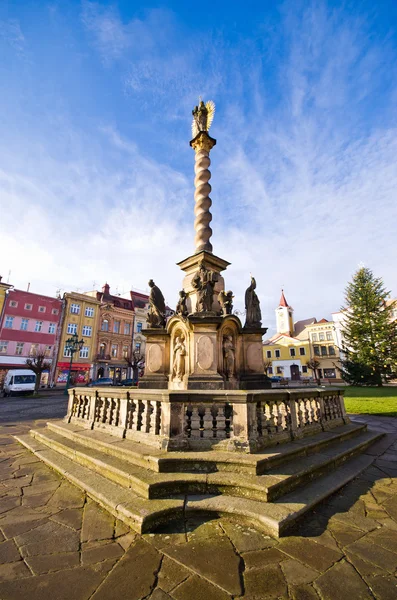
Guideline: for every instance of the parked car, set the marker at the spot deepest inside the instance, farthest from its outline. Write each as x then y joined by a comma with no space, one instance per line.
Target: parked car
126,382
102,382
275,379
19,381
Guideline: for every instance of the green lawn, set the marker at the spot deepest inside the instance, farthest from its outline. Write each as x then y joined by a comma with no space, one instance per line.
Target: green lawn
371,400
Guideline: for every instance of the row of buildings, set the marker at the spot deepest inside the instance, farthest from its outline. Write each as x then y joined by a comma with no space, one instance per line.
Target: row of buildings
110,327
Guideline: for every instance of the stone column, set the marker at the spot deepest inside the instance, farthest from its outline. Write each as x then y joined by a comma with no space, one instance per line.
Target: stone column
202,145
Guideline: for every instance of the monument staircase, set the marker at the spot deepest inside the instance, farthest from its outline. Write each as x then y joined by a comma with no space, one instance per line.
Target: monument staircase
145,485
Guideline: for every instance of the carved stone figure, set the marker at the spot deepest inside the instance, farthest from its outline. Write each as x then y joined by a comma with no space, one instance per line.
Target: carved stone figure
203,115
226,301
228,356
204,282
253,317
178,365
156,314
181,308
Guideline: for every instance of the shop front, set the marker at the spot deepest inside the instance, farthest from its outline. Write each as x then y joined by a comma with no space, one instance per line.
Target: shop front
80,373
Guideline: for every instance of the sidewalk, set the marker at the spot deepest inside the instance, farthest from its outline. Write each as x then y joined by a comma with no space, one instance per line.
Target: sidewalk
57,544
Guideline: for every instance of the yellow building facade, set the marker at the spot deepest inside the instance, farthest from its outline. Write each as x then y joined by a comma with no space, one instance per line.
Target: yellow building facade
80,315
286,357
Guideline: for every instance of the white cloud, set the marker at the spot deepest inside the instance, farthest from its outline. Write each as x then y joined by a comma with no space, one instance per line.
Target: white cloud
11,33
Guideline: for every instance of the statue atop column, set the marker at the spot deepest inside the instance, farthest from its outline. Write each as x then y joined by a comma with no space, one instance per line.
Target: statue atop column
253,317
204,282
203,115
156,314
181,308
225,299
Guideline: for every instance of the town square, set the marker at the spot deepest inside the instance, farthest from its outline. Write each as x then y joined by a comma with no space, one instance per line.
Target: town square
198,434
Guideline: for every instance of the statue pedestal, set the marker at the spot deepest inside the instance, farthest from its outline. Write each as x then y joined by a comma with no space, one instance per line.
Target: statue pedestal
157,359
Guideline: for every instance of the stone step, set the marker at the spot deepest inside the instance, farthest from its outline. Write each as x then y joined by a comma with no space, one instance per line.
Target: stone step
204,461
143,515
149,484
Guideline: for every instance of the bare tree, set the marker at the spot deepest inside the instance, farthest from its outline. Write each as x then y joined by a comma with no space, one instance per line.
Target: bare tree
267,364
135,360
314,364
38,363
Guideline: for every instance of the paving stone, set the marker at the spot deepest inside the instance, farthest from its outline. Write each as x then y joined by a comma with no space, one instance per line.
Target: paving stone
48,538
314,555
37,499
14,570
345,534
245,538
160,594
7,503
342,581
388,523
260,558
46,563
296,573
362,566
385,538
134,576
97,524
171,574
268,582
196,528
76,584
163,540
304,592
100,553
71,517
40,488
9,552
121,528
20,524
207,558
374,554
384,587
126,540
199,589
391,508
68,496
354,520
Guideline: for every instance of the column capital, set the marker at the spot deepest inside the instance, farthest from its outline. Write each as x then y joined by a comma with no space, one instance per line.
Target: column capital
202,141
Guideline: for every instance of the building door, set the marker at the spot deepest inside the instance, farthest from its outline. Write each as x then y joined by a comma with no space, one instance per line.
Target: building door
295,376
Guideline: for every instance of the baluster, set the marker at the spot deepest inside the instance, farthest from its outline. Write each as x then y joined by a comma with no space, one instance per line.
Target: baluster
279,417
306,411
220,419
116,417
208,422
299,413
195,422
145,418
132,415
188,421
154,418
229,419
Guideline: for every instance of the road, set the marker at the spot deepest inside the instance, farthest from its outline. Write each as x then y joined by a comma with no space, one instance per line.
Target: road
18,409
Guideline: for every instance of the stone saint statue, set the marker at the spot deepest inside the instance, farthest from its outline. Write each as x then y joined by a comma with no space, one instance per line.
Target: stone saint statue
178,366
228,356
253,317
226,301
181,308
203,115
156,314
204,282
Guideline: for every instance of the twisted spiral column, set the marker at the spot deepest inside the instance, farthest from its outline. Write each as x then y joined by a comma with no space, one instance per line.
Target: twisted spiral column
202,145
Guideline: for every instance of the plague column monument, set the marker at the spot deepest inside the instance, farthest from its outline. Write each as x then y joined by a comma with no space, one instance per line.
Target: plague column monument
204,346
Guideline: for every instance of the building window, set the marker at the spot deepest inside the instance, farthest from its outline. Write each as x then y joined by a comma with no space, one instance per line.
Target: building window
42,309
138,346
114,350
329,336
87,331
127,328
277,353
323,350
329,373
105,325
51,328
292,351
24,324
13,303
314,337
19,348
72,328
75,308
55,311
316,350
9,322
34,348
66,352
304,369
280,370
28,307
102,350
270,370
321,337
116,326
89,311
48,350
125,351
331,350
302,351
3,347
139,327
268,353
38,326
84,352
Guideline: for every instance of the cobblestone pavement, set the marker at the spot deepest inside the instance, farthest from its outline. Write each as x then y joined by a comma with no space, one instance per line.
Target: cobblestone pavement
57,544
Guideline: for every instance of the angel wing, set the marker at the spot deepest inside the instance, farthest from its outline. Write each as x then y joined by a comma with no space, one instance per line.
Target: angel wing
195,129
210,106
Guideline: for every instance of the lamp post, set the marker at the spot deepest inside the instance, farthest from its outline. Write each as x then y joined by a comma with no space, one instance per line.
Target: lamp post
73,344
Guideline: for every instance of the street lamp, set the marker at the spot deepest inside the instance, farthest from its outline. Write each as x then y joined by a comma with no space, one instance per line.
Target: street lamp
73,345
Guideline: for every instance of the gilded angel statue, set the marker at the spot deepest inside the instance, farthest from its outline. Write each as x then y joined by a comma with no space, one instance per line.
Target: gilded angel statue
203,115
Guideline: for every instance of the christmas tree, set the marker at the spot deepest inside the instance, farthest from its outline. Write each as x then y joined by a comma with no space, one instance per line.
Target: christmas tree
369,332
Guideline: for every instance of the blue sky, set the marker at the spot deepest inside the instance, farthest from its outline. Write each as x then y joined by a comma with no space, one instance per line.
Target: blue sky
96,172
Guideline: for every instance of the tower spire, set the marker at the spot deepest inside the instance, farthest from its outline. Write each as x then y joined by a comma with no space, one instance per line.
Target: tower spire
283,301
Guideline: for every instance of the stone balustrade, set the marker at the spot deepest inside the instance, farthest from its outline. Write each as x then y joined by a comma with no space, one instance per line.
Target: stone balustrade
198,420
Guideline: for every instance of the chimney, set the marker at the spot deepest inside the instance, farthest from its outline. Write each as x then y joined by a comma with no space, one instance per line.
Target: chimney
106,289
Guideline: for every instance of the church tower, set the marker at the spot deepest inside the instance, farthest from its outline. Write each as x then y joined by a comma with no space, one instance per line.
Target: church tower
285,317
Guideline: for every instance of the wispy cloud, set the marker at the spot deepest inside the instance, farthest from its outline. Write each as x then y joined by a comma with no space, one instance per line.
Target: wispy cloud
11,33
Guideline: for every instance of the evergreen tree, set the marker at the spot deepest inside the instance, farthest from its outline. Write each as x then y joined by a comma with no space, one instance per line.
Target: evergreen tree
370,333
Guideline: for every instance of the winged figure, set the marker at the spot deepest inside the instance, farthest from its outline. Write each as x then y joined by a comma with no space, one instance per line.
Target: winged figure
203,115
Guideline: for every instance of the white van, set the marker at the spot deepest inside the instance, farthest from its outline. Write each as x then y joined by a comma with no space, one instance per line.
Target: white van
19,380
